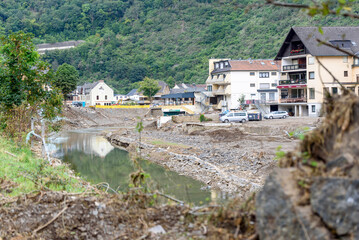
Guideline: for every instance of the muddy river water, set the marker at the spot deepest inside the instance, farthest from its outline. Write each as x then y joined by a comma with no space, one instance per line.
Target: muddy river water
97,161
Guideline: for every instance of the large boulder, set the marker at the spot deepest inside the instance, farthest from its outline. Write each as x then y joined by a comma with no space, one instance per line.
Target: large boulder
336,201
315,194
278,214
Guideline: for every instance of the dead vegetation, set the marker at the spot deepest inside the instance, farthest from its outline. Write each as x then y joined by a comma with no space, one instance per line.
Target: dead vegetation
60,215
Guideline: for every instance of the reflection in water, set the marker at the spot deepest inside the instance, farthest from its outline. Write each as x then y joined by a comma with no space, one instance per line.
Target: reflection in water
97,160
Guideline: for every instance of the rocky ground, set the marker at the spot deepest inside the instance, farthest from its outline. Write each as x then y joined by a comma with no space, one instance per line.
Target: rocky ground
234,158
312,194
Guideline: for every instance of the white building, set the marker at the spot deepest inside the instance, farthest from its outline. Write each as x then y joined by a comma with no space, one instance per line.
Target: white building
120,98
97,93
256,80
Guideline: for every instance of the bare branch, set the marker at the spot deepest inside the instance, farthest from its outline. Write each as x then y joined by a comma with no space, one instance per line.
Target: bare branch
290,5
316,6
331,74
335,47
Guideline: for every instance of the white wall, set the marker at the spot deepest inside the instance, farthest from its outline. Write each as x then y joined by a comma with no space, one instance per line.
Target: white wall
240,84
101,90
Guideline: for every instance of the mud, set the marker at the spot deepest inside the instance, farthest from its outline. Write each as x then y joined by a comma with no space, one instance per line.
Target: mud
56,215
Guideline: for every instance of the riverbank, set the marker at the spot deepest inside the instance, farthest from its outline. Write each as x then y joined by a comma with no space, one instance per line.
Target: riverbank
22,172
43,201
234,158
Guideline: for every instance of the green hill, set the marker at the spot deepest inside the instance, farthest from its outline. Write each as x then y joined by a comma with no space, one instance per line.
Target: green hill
168,40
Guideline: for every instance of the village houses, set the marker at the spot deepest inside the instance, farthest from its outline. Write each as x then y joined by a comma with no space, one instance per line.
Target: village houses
294,81
92,94
255,80
303,80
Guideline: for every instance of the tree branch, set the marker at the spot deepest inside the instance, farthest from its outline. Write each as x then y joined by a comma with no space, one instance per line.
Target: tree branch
316,6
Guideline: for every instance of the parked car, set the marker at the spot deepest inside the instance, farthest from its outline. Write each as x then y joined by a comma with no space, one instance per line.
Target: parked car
234,117
223,113
257,116
276,114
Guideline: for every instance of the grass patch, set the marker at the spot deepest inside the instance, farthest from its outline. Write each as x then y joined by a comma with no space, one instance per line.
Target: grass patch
29,173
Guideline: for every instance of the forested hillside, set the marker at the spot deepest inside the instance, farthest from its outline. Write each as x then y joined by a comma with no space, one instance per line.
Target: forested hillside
168,40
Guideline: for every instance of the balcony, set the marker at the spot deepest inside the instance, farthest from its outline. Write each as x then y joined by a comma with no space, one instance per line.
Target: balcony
219,92
295,67
289,82
293,100
297,52
218,81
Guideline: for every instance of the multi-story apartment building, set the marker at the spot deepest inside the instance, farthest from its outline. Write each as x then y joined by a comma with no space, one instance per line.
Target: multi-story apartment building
304,78
256,80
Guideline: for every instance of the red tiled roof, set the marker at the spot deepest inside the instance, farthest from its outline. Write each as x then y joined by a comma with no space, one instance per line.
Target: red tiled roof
255,65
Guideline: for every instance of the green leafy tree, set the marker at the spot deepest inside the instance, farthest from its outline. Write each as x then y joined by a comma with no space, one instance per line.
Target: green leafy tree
25,81
149,87
66,78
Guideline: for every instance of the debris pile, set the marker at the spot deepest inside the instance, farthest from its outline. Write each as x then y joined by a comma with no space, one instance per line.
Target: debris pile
315,194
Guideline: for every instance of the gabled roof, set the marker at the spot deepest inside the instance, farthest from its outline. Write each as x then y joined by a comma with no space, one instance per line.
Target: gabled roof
87,87
185,87
132,92
308,36
163,85
254,65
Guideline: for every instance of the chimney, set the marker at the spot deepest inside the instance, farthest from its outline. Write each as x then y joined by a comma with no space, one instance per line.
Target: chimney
101,81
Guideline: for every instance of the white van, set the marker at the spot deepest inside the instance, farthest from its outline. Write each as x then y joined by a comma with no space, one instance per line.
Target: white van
234,117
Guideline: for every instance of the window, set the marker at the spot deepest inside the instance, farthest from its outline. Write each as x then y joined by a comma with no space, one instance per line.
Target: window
274,73
216,66
226,64
271,96
224,76
105,97
311,75
334,90
221,65
274,85
345,59
311,93
263,97
253,96
264,85
313,108
357,78
252,74
310,60
212,76
356,61
252,85
345,73
264,74
209,88
283,74
97,97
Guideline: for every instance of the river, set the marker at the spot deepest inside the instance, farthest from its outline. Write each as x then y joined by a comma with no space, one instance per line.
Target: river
97,161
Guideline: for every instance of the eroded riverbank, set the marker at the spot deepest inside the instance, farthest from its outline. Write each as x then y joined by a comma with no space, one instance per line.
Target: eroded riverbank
233,158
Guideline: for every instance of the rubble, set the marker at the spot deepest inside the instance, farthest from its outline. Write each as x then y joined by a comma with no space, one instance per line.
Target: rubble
316,193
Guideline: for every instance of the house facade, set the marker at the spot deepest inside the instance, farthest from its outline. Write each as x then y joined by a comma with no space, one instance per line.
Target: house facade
255,80
304,78
97,93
